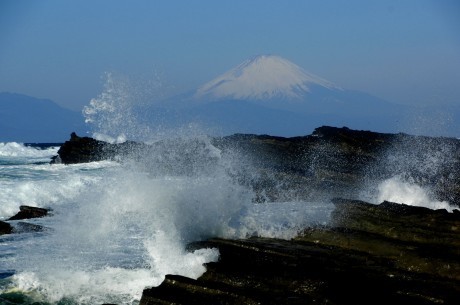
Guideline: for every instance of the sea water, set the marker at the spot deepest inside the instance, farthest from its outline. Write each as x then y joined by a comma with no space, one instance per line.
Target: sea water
116,228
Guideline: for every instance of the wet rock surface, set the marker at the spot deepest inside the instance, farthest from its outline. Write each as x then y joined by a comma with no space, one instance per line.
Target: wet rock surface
85,149
340,162
25,212
5,228
368,254
338,264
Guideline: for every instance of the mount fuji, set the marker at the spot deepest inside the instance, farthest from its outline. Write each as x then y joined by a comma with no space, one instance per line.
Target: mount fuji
268,94
274,82
263,77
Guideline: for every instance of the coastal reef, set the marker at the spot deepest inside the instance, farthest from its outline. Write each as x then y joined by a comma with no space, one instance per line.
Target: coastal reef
368,253
331,162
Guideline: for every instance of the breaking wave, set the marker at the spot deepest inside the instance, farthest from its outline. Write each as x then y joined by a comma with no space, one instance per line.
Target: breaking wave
118,228
13,149
398,190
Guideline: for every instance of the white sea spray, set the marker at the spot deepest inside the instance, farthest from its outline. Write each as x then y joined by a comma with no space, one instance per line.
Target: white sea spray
120,227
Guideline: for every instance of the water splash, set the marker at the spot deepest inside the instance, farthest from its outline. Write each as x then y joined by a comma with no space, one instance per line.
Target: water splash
414,171
119,228
113,114
398,190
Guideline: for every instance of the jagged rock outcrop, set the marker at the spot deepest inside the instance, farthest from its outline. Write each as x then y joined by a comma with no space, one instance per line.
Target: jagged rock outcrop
340,264
86,149
80,150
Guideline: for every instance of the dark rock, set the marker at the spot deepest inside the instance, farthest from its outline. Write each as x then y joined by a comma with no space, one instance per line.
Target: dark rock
398,221
5,228
369,254
331,162
80,150
26,212
86,149
342,264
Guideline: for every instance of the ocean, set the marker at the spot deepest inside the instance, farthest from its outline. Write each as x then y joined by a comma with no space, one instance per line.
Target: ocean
118,227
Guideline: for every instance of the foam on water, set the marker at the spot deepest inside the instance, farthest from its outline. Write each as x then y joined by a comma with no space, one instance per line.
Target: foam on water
44,185
12,153
119,229
13,149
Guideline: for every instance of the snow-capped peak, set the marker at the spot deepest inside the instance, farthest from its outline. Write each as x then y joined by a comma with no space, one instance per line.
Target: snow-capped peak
262,77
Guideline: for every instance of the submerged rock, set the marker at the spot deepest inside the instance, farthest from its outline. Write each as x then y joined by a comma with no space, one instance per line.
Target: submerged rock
25,227
372,254
26,212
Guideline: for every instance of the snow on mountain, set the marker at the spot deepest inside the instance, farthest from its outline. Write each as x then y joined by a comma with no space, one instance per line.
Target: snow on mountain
262,77
269,94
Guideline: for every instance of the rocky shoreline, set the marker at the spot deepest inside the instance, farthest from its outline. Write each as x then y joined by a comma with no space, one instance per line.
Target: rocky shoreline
370,261
331,162
367,254
363,257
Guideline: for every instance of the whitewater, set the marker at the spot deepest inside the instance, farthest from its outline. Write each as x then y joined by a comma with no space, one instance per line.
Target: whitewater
118,227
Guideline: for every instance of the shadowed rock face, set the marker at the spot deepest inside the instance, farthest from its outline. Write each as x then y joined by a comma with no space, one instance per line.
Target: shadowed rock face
393,261
5,228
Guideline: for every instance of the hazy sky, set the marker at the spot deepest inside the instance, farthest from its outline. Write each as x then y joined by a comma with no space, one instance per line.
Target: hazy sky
404,51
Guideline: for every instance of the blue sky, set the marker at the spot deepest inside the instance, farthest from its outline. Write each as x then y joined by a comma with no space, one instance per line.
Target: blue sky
403,51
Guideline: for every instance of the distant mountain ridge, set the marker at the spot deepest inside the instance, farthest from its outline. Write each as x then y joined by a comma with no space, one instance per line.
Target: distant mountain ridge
266,94
33,120
269,94
260,78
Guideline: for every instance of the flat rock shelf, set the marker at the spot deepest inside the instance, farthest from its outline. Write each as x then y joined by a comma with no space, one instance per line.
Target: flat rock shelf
397,255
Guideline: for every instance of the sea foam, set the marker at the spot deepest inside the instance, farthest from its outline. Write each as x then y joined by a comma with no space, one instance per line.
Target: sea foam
398,190
13,149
